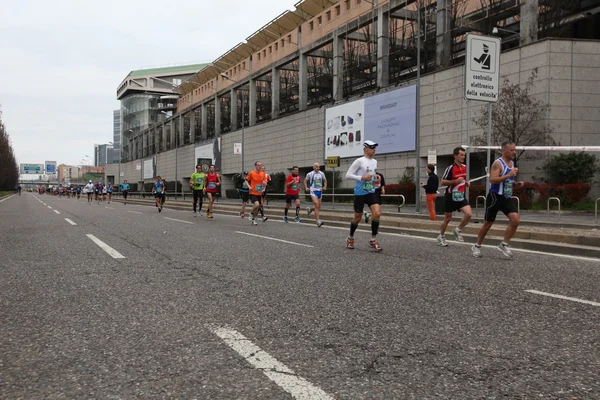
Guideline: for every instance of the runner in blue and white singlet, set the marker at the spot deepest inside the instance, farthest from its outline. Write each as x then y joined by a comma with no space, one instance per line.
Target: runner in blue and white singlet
315,183
499,198
363,172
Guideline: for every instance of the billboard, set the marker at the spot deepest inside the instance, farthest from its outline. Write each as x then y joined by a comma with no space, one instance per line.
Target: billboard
37,169
209,154
149,168
50,167
388,119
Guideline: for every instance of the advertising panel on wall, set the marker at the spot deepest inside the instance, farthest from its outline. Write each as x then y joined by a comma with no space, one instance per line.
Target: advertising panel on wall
209,154
149,169
388,119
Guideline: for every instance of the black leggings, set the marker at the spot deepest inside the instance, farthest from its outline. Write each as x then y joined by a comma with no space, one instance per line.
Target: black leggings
198,196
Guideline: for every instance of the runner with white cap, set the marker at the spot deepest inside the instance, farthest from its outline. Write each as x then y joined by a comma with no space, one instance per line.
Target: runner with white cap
363,170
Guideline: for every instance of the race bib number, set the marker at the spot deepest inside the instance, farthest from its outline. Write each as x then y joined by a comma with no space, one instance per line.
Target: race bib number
258,187
369,186
212,185
508,189
295,186
318,183
377,184
244,185
458,196
199,181
159,190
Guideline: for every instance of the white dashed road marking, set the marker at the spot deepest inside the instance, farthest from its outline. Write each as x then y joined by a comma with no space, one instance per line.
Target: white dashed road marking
179,220
277,240
69,221
112,252
558,296
56,211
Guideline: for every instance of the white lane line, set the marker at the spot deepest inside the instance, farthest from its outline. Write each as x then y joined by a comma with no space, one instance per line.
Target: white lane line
49,207
558,296
279,373
110,208
69,221
56,211
135,212
44,204
112,252
270,238
179,220
7,198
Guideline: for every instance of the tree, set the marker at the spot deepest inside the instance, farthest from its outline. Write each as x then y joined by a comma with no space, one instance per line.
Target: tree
517,117
572,168
9,170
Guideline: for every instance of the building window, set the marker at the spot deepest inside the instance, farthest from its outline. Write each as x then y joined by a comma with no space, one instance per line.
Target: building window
328,15
347,4
244,65
320,20
282,43
276,46
259,56
311,26
270,49
357,2
289,38
337,11
264,52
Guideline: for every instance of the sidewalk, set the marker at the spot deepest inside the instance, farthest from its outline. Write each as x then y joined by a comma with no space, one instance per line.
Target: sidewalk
574,235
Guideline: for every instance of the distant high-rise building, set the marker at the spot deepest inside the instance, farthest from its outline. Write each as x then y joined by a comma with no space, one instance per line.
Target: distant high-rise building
116,136
102,154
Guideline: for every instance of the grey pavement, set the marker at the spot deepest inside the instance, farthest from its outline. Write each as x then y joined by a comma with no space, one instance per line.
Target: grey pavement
415,321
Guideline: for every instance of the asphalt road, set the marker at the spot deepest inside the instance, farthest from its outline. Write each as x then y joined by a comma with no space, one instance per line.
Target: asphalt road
219,309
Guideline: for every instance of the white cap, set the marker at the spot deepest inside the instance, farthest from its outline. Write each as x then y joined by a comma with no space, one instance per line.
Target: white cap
369,143
90,181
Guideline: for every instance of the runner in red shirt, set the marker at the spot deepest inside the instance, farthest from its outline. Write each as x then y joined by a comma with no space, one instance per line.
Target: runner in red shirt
292,193
455,178
213,181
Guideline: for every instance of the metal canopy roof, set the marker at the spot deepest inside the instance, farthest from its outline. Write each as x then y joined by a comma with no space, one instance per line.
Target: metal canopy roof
281,25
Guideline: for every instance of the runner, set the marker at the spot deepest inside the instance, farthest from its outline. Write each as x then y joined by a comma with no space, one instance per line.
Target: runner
124,187
502,181
264,194
104,192
213,181
89,188
159,192
244,194
455,179
292,193
109,190
197,183
78,191
363,170
315,183
256,181
379,192
98,192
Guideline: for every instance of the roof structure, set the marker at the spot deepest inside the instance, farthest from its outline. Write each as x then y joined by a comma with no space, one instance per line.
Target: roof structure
281,25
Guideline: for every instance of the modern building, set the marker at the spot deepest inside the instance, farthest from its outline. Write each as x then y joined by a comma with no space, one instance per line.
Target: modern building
103,154
147,97
270,95
68,174
116,135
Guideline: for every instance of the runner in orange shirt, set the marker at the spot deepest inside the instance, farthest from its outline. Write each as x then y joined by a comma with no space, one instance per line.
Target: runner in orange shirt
256,181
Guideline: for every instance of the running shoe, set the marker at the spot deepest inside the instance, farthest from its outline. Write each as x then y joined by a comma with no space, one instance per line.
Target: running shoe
194,213
254,222
286,220
458,235
476,251
505,249
250,218
209,215
374,244
442,241
319,223
367,216
308,211
298,219
350,243
159,209
264,219
242,214
200,213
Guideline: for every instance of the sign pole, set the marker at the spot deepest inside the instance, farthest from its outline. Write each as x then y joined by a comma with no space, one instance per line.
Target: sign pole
489,143
333,189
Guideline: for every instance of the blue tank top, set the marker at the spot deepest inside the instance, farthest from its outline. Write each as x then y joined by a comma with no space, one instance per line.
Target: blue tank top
158,187
504,188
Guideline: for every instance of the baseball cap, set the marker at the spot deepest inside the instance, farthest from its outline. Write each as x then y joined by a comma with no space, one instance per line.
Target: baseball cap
245,172
90,181
370,144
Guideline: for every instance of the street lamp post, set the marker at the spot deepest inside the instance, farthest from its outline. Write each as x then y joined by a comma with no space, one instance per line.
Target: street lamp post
224,75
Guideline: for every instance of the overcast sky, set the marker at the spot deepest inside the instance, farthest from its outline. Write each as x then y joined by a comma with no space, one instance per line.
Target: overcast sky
61,61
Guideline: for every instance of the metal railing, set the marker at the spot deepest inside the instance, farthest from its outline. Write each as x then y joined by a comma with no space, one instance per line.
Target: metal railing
518,203
401,197
548,207
477,205
596,211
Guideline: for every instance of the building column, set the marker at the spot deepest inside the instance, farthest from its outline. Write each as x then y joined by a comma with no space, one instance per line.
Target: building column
443,47
181,132
338,67
528,25
252,102
234,106
164,137
303,82
204,124
383,48
217,116
192,127
144,143
275,89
